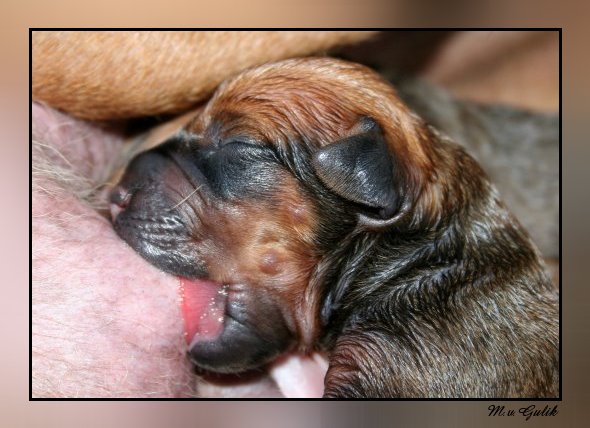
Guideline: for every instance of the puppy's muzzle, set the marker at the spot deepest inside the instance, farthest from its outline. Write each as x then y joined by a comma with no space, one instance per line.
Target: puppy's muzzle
146,213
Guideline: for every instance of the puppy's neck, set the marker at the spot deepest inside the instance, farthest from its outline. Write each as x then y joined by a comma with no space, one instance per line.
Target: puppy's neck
457,233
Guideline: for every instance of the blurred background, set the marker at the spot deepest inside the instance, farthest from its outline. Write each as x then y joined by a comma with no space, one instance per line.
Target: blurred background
522,74
519,68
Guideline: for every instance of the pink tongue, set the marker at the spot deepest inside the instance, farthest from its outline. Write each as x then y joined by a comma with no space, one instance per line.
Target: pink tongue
203,304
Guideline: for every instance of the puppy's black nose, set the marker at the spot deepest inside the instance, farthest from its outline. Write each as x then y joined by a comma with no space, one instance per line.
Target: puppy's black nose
119,199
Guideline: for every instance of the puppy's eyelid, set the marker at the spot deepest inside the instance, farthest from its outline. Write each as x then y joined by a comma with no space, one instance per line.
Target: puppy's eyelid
248,141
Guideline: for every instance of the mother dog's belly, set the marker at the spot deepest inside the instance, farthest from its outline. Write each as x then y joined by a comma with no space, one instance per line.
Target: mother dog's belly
105,323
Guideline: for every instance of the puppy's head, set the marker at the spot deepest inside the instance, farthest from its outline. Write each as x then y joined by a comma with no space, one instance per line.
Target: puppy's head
256,193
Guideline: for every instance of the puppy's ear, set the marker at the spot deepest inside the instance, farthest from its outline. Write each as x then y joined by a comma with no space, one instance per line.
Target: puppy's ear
361,169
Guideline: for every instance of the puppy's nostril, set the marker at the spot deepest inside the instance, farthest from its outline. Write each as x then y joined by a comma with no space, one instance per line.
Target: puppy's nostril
120,196
119,199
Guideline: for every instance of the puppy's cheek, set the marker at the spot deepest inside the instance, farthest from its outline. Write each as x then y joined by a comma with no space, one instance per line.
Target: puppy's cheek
253,335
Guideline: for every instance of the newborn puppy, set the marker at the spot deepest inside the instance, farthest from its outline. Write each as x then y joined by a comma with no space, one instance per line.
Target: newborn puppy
307,209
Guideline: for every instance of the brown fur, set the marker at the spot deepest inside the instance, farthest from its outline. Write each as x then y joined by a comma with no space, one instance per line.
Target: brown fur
282,103
272,249
113,75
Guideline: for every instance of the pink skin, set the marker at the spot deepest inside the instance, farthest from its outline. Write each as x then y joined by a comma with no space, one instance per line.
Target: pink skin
105,322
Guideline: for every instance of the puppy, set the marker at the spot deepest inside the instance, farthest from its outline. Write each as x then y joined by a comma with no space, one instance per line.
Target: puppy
306,208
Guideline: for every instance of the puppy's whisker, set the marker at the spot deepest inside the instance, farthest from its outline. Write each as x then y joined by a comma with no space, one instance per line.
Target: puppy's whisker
185,199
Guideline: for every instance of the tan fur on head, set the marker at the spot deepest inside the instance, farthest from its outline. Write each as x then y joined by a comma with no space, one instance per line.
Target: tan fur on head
322,99
106,75
284,101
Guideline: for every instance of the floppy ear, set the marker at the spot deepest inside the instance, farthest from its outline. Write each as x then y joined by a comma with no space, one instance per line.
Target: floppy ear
361,169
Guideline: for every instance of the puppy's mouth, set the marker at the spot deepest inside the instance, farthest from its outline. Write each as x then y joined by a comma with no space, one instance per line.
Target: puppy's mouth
203,305
231,328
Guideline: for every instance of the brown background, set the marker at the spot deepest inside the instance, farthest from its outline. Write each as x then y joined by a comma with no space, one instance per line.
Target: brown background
15,410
